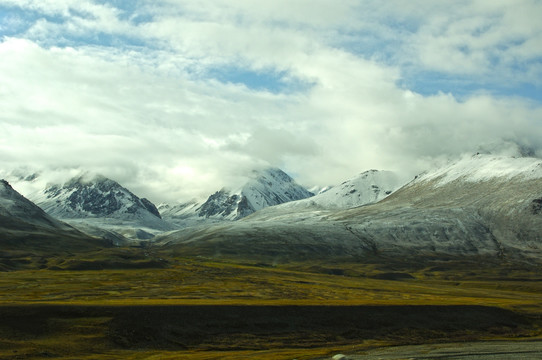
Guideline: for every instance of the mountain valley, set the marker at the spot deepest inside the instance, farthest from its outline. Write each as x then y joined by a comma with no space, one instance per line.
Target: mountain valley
452,255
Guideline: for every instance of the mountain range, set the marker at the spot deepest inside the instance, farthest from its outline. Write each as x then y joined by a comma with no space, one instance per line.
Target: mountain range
479,206
365,188
101,207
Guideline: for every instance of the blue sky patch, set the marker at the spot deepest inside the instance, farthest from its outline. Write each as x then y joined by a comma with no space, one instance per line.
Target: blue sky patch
129,10
461,87
272,81
376,43
14,20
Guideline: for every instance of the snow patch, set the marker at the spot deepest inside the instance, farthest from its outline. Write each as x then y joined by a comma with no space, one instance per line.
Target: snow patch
483,167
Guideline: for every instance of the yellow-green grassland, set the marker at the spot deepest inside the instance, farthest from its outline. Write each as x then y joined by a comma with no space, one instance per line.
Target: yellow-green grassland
129,304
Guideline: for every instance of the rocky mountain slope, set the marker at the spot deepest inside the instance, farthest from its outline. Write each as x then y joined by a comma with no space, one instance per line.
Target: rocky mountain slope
93,196
17,208
94,201
482,205
264,188
24,225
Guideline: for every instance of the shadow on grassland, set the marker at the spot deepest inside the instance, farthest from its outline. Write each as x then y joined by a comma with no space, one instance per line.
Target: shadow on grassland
250,327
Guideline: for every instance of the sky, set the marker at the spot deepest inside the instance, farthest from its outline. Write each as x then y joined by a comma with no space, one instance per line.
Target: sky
176,99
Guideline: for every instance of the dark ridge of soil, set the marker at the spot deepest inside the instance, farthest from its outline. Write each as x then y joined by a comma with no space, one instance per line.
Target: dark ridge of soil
392,276
256,327
82,265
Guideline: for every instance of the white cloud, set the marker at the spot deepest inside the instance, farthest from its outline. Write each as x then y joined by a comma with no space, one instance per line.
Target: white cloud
479,38
152,117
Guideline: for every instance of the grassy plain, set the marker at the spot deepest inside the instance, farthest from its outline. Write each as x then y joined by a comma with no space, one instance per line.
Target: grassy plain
125,303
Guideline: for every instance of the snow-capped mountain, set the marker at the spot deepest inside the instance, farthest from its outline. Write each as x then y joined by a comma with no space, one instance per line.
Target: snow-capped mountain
483,205
264,188
484,168
366,188
15,207
24,225
93,196
101,202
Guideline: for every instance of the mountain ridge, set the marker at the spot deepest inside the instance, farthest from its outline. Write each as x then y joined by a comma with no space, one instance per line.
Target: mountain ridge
482,211
26,227
14,205
92,195
93,201
264,188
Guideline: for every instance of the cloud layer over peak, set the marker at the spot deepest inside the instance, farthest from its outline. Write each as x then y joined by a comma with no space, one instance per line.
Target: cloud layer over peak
190,95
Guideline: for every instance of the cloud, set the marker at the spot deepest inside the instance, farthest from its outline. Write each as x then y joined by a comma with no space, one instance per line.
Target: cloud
497,43
273,145
84,108
190,96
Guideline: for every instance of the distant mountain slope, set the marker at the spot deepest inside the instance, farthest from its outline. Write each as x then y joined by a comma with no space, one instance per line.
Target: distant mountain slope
264,188
16,208
94,196
366,188
479,206
24,226
101,203
480,197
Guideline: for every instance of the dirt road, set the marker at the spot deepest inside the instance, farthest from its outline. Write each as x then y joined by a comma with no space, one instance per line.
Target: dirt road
486,350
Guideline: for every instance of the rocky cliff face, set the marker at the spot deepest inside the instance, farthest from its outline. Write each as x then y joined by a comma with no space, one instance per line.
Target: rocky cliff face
94,197
94,201
221,203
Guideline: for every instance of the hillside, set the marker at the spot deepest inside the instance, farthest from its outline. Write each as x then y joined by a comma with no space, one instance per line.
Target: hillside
479,206
27,229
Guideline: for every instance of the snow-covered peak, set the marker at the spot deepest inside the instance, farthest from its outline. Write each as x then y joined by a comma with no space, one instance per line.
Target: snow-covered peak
89,179
485,167
93,196
267,187
366,188
270,187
